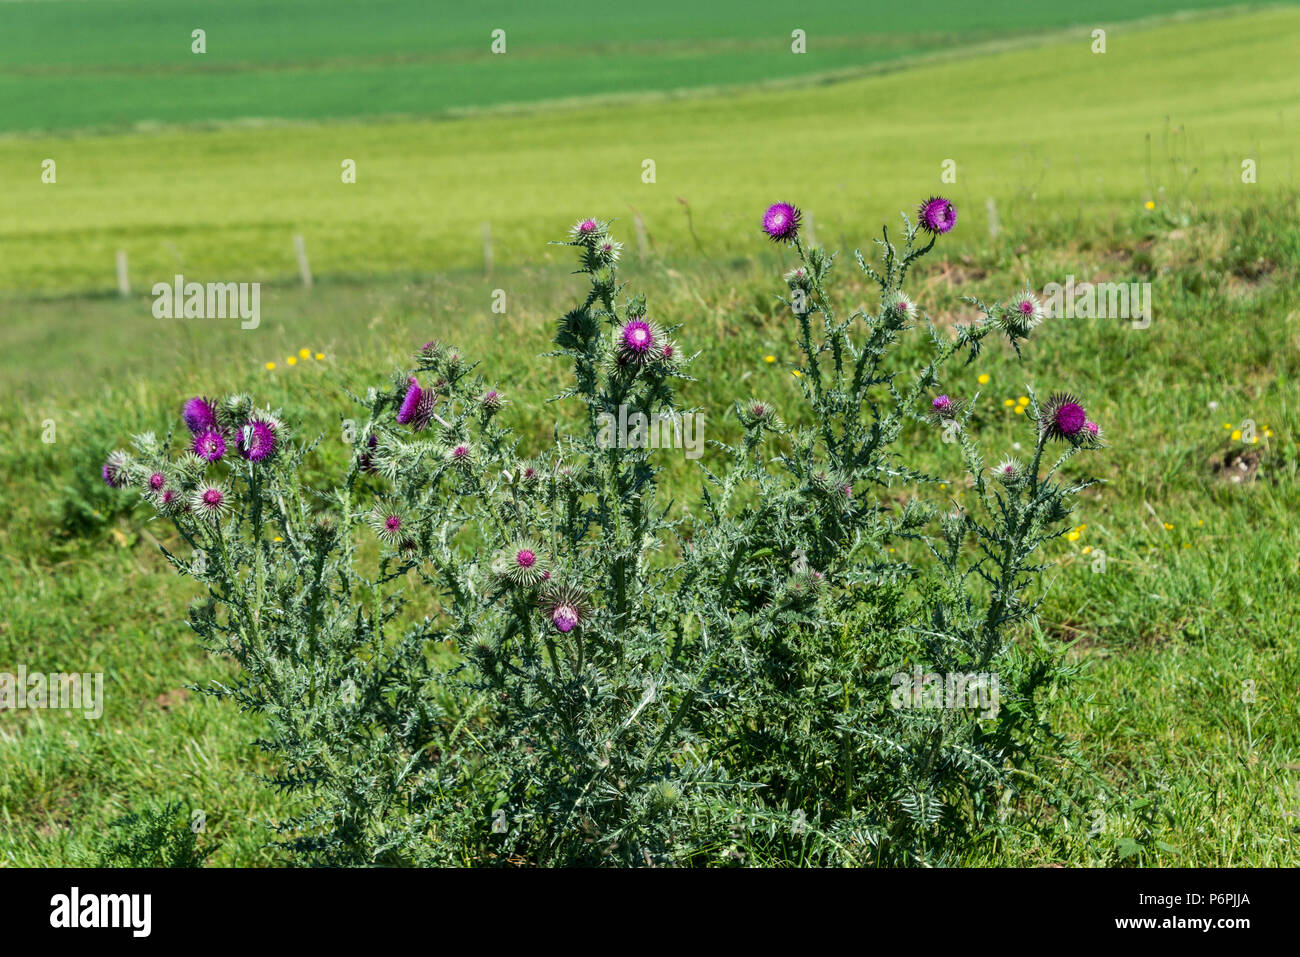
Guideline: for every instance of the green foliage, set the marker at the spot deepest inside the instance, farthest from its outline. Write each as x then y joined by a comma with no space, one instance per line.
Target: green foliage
597,678
160,835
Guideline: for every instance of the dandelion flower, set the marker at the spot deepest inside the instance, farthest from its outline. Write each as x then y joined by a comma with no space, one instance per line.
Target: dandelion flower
304,353
982,378
291,361
1236,434
1149,204
1009,403
769,359
320,355
270,367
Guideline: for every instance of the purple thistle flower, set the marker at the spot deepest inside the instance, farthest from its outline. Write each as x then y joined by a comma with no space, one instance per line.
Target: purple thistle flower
1092,428
638,342
461,455
115,469
937,215
781,222
519,565
941,404
411,402
210,502
367,462
388,523
1062,417
565,607
209,445
157,481
200,414
257,440
586,231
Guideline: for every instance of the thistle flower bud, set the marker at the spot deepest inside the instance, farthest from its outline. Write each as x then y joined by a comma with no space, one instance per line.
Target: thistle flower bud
564,606
1021,314
234,411
587,231
210,502
116,469
389,522
520,564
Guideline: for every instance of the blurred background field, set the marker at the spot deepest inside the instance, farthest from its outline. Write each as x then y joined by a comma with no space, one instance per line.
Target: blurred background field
1123,166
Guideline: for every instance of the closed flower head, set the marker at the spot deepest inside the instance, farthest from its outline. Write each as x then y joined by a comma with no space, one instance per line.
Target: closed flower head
389,523
519,565
565,607
116,469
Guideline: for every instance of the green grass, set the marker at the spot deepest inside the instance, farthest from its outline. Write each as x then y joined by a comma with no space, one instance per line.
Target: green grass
1185,772
1052,133
1180,618
82,63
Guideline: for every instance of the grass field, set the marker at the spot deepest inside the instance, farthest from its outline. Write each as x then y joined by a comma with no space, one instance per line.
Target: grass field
1051,133
1198,594
84,63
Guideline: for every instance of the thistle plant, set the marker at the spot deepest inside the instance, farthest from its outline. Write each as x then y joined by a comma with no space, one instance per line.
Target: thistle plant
470,652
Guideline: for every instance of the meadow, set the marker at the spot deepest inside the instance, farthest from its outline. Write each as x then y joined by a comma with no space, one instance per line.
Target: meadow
1196,597
1050,133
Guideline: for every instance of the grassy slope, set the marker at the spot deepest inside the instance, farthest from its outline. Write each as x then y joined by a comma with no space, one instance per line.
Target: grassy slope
1178,621
1051,133
86,63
